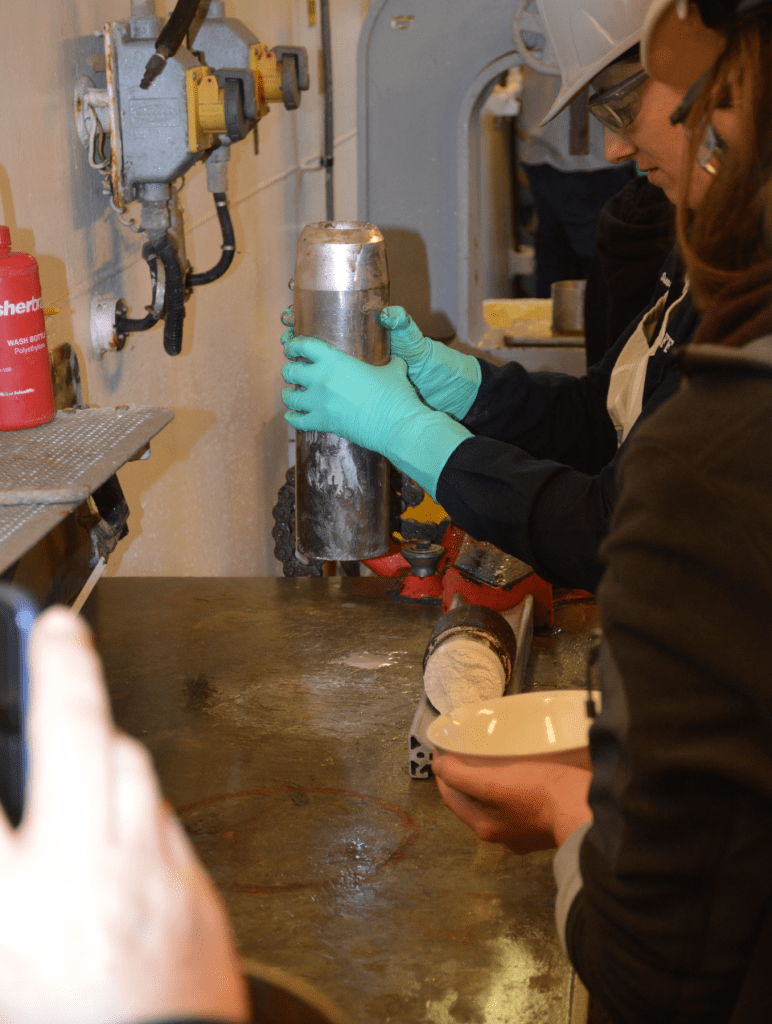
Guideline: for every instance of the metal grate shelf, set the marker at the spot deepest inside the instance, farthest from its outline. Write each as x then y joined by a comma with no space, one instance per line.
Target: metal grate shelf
48,471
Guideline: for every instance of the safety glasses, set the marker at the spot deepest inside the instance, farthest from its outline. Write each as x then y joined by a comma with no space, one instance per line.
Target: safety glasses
618,107
711,151
712,148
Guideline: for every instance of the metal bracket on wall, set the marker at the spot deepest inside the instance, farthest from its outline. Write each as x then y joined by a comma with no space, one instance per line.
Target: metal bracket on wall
105,517
47,472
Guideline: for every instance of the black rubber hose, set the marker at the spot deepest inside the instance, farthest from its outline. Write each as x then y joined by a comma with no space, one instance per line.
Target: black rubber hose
170,39
123,325
228,245
175,294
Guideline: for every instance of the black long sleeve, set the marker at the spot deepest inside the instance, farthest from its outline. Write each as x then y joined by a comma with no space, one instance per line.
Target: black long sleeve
675,867
538,478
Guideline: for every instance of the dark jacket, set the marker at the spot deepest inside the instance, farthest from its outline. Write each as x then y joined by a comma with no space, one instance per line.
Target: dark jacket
676,896
636,231
537,480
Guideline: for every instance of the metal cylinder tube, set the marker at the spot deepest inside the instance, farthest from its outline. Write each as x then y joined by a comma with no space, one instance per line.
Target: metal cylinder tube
480,623
568,307
342,490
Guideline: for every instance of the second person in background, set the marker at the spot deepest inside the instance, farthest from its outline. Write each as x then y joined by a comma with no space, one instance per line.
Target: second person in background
527,461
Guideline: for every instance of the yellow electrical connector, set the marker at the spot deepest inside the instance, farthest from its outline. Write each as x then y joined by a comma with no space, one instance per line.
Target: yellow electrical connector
267,72
210,105
206,102
206,108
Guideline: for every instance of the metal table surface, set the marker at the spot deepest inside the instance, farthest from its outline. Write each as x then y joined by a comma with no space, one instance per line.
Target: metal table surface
277,712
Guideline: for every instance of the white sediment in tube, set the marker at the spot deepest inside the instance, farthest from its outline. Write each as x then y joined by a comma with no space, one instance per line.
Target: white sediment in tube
462,670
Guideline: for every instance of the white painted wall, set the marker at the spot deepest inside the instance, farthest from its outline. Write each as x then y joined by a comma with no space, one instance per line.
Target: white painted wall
202,504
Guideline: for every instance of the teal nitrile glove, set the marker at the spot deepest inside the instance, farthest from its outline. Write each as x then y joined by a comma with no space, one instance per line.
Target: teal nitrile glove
374,406
446,379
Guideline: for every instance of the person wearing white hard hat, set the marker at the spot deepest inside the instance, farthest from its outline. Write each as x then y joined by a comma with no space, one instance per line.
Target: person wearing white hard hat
526,461
664,892
569,188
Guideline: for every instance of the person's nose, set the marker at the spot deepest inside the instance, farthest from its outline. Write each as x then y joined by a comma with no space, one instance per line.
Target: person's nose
618,148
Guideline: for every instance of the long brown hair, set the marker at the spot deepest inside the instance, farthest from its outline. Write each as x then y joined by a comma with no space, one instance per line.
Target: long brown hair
731,231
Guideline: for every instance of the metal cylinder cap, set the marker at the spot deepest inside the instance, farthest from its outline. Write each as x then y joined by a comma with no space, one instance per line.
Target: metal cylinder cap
340,256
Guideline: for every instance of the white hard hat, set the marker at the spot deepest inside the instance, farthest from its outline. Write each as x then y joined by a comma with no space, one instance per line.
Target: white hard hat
586,36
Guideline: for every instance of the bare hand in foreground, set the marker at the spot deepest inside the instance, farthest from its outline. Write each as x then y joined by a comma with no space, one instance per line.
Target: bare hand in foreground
527,805
107,914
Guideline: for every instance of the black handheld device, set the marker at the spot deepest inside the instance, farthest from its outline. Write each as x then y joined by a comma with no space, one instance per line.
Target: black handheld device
17,614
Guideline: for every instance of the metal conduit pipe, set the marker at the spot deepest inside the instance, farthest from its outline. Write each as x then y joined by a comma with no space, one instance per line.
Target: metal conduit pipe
328,156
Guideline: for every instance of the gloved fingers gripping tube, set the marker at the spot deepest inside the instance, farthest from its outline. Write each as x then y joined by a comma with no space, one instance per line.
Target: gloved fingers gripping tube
375,407
228,245
124,325
170,39
447,380
395,318
175,294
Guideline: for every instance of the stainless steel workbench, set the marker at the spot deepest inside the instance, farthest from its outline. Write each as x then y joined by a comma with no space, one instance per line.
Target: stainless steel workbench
277,711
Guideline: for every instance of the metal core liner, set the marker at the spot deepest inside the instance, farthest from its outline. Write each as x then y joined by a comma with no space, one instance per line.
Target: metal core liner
341,490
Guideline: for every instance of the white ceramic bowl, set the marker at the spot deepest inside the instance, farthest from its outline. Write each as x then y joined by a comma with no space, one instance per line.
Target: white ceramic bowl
537,724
